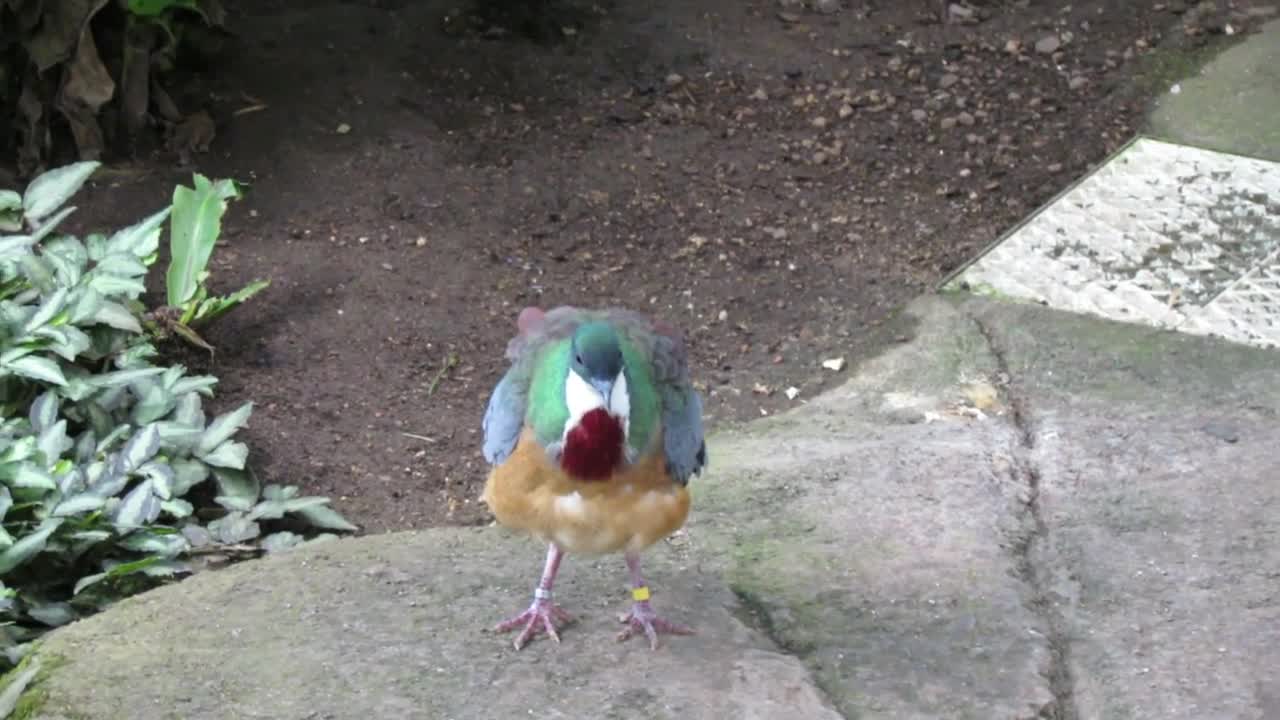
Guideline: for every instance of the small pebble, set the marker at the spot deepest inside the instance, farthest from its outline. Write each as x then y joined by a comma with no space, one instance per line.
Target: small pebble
1048,44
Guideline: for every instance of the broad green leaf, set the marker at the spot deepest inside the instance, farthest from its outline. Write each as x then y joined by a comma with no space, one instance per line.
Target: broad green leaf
190,473
86,305
91,536
196,535
117,316
189,411
44,411
112,480
48,191
234,503
88,580
323,516
96,245
177,507
239,484
120,378
223,427
229,454
38,368
161,477
266,510
278,541
177,435
31,476
73,482
123,264
234,528
28,546
202,384
86,447
110,437
69,341
275,491
10,212
19,450
6,501
139,508
171,375
51,224
68,257
14,285
54,614
111,285
53,442
48,309
155,403
15,246
194,227
79,504
13,354
6,540
39,272
141,239
166,546
136,356
141,447
276,509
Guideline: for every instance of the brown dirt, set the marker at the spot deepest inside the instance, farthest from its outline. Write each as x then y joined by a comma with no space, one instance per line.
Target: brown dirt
775,179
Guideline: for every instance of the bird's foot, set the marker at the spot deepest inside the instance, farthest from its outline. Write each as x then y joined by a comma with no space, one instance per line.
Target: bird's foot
642,619
542,616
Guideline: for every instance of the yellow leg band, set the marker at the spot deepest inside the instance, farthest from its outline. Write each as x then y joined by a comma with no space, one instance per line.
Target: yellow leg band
640,594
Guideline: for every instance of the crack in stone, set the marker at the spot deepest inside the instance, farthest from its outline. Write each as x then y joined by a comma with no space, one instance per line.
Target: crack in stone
754,613
1060,676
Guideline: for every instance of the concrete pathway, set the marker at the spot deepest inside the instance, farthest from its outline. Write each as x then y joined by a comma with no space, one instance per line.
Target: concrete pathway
1232,104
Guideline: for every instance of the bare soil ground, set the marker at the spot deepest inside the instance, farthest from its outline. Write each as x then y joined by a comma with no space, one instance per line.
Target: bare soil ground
774,178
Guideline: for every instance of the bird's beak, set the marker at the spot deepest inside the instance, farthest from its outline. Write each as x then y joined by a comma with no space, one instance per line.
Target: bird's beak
605,388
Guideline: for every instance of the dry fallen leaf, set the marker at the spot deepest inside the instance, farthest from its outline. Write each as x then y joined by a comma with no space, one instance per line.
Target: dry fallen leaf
982,395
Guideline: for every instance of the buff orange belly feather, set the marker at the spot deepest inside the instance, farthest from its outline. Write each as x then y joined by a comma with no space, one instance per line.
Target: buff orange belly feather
629,509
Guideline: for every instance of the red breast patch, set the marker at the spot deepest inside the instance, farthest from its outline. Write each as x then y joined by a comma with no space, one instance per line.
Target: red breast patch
593,447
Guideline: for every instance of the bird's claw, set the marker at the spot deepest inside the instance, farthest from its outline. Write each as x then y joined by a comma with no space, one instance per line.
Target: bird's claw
642,619
542,616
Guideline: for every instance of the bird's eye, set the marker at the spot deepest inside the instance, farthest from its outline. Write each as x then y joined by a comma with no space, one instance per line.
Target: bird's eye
577,359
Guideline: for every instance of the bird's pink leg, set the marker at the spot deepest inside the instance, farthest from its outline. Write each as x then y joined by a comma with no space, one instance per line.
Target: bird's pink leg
642,618
543,614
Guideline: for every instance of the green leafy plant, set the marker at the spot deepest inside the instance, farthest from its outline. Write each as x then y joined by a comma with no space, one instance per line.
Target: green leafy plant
112,475
194,227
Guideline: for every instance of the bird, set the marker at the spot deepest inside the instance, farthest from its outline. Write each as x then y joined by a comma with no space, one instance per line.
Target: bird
592,436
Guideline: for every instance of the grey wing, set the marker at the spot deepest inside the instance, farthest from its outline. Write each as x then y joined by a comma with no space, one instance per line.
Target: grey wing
503,420
682,434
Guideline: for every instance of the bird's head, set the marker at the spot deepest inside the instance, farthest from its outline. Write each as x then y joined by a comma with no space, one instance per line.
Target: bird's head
596,359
